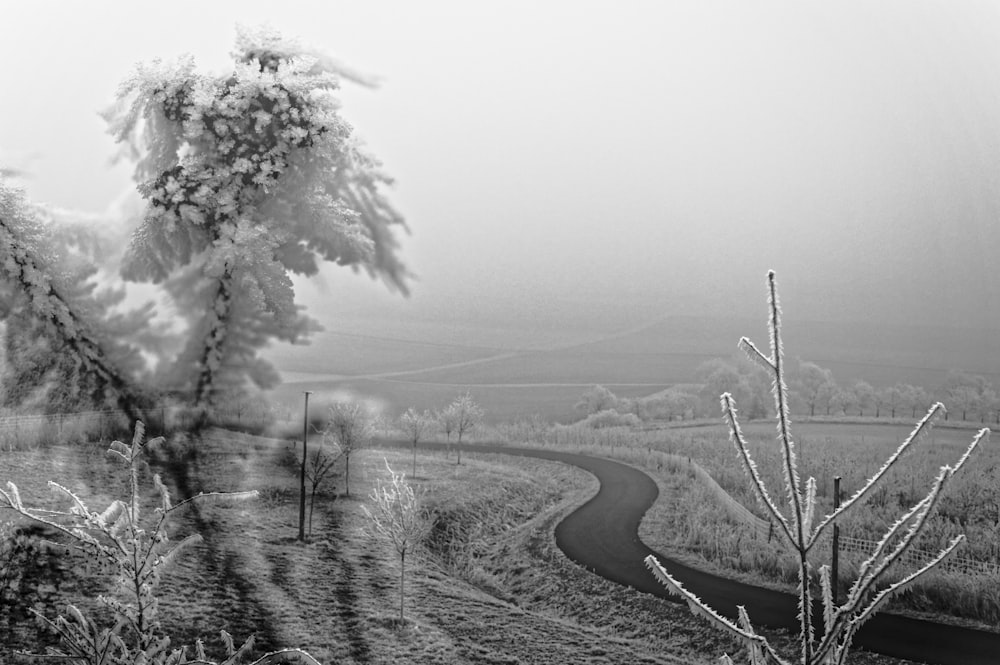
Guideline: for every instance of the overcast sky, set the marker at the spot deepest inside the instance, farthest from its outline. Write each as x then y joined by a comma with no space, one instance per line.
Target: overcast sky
650,158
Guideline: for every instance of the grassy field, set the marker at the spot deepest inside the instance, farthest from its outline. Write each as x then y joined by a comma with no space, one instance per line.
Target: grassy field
881,355
513,377
572,366
553,403
665,352
359,354
690,523
489,590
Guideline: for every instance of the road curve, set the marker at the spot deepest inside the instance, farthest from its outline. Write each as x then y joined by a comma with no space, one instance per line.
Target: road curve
603,536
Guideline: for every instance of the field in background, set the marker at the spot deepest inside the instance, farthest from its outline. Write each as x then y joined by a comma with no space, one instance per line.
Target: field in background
361,354
521,373
553,403
692,522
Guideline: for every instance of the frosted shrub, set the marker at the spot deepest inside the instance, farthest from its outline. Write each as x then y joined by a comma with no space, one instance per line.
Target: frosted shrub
139,550
611,418
801,531
397,516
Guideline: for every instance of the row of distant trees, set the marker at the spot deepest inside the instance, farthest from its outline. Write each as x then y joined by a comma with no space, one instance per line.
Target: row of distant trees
350,426
812,390
459,418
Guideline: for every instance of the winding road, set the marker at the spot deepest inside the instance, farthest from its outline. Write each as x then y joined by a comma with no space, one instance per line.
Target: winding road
602,536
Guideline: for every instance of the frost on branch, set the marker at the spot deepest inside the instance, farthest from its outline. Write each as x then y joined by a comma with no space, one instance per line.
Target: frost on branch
799,528
248,176
63,337
138,548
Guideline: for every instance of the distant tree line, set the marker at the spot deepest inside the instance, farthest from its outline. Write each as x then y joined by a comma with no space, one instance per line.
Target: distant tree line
460,418
812,389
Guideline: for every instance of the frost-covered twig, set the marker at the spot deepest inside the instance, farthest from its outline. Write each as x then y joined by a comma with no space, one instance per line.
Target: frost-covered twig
743,632
24,267
859,496
139,550
864,598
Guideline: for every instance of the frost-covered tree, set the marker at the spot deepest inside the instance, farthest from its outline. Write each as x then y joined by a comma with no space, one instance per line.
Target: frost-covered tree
890,398
596,399
415,426
815,386
470,415
843,401
397,515
674,402
466,415
738,377
319,469
864,396
248,176
446,419
964,392
350,426
916,398
799,528
64,338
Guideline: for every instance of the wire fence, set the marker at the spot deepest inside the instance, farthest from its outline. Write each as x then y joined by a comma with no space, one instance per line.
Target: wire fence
918,557
734,508
764,528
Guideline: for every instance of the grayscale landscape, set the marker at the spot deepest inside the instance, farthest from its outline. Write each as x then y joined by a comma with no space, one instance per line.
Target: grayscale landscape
500,333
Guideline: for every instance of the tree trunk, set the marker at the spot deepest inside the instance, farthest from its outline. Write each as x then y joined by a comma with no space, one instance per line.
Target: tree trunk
347,474
211,353
312,504
402,580
414,459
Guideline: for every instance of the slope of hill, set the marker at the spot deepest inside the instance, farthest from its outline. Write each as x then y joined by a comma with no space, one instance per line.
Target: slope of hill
511,381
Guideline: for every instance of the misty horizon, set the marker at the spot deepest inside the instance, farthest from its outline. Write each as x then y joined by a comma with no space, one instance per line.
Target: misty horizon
619,165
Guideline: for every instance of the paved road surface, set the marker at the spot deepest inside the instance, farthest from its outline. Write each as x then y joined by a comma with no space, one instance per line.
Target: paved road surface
602,536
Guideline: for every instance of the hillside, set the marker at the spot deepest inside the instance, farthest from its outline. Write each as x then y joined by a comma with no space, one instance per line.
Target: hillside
547,378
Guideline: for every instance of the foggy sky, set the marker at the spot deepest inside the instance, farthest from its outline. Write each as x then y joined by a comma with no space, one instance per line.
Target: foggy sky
617,159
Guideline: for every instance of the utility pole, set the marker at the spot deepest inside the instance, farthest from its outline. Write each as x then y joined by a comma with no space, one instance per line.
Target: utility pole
302,477
835,563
